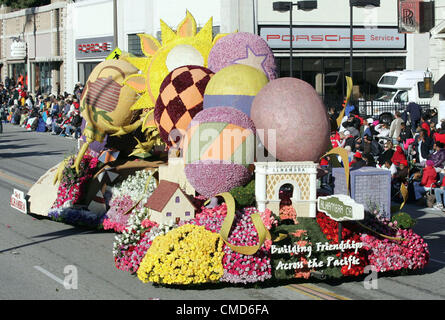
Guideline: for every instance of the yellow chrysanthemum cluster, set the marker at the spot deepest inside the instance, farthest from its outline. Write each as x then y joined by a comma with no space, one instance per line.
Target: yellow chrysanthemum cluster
186,255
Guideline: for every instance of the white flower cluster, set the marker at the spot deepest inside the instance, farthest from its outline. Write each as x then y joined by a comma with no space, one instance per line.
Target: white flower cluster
160,230
134,185
134,232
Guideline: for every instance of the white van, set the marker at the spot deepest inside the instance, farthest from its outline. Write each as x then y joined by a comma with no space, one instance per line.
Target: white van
396,90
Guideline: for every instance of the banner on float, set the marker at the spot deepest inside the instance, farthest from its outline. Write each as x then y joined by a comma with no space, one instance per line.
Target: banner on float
18,201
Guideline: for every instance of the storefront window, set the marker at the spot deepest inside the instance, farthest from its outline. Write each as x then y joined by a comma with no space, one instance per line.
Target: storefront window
327,75
313,73
43,83
85,69
18,72
283,66
134,45
393,64
375,68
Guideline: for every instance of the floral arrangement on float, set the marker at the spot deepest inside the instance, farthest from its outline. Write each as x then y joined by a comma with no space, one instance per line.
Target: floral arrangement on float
128,197
68,206
225,86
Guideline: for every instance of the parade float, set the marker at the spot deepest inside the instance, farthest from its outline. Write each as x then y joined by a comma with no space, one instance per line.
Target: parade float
205,165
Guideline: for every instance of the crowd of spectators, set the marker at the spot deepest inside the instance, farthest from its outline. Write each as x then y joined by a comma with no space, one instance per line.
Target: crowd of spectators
58,115
410,143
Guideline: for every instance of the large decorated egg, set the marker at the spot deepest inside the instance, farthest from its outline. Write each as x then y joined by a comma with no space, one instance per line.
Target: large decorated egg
243,48
180,99
218,148
292,111
235,86
105,99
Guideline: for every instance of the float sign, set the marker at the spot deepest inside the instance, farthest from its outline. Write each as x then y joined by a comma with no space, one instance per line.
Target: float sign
18,201
341,207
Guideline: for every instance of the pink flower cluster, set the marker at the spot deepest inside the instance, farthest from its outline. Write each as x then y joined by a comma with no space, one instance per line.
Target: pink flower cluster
288,212
71,188
390,255
268,219
239,268
148,224
220,210
131,259
211,219
110,225
116,220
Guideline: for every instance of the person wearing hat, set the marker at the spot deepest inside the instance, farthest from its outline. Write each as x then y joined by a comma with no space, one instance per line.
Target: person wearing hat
398,156
429,178
357,161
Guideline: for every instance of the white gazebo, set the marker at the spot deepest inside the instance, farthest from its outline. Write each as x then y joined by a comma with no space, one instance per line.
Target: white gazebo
271,176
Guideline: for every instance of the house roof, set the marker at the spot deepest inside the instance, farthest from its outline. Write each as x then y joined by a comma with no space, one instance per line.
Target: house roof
162,194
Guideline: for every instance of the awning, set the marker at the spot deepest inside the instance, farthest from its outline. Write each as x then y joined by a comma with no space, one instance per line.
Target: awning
13,61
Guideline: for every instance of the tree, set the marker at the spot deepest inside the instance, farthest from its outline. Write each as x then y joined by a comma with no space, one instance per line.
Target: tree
21,4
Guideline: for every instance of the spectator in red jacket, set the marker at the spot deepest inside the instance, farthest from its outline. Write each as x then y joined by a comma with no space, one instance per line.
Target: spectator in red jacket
440,134
425,125
429,178
398,156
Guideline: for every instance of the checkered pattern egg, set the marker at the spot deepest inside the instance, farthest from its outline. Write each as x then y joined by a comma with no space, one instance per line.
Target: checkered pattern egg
180,98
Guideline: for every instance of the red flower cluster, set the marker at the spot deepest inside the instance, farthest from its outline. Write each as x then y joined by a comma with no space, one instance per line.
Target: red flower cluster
71,188
330,228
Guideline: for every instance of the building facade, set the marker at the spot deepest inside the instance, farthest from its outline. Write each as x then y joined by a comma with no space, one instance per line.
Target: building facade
91,28
64,41
33,47
321,42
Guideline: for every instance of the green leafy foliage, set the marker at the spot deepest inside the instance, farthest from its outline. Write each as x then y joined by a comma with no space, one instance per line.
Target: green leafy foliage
21,4
244,195
404,220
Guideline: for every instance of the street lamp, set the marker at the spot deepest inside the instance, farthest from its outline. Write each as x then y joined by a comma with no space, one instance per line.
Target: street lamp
359,4
428,81
284,6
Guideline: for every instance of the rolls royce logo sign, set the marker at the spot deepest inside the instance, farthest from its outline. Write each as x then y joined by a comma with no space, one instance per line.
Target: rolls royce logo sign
333,38
409,16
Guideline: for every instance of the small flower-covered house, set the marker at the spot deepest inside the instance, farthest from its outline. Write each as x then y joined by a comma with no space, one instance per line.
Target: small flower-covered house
168,202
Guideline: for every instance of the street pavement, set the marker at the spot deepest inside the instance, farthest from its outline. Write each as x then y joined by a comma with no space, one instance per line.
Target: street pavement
37,254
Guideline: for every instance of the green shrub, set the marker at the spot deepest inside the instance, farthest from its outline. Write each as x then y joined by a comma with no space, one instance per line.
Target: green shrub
245,195
404,220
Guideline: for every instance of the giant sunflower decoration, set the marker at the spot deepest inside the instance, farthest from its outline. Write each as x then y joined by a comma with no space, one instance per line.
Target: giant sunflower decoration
177,48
